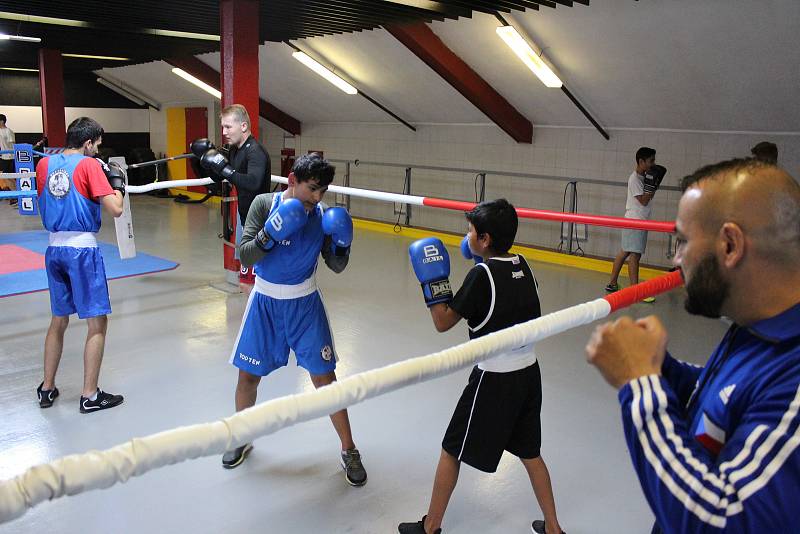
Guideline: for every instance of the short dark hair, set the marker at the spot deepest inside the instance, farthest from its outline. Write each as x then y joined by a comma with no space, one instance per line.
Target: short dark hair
313,167
3,118
645,152
766,151
722,168
81,130
498,218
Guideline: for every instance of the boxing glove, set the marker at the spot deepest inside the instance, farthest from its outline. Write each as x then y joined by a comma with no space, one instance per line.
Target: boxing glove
215,162
467,253
431,264
114,174
288,218
198,147
338,224
652,178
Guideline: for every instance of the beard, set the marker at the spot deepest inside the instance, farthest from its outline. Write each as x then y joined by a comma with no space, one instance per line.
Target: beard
707,290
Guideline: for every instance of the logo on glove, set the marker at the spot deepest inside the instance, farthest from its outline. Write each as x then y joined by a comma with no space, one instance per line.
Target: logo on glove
277,222
439,289
432,254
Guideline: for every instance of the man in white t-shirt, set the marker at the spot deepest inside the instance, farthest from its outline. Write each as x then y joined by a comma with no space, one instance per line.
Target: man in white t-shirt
637,206
7,141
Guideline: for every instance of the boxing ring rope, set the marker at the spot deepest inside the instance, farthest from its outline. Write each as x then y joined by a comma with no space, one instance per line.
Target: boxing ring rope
78,473
524,213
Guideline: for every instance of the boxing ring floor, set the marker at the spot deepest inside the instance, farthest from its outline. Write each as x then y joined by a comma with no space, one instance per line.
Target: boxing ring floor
167,348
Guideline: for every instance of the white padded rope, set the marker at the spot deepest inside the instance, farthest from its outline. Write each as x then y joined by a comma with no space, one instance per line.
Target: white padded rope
78,473
168,184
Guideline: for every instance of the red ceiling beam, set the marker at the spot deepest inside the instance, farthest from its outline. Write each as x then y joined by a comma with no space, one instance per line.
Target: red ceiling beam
203,72
421,40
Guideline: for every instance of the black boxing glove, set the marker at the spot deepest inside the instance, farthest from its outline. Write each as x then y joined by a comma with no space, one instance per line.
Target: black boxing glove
198,147
114,174
215,162
652,178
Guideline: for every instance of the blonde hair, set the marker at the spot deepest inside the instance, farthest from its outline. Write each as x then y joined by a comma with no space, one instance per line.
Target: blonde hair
238,112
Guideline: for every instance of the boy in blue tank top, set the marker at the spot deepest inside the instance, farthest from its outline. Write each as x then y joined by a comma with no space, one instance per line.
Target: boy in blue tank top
73,189
283,237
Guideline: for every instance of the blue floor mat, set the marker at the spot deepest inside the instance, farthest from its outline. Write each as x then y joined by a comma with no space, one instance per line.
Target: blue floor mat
31,280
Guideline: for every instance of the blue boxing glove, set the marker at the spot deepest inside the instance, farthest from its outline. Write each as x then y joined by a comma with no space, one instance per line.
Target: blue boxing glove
284,221
338,224
467,253
431,264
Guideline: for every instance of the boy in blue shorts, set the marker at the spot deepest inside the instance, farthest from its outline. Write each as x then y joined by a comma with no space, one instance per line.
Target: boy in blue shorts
500,407
284,235
73,189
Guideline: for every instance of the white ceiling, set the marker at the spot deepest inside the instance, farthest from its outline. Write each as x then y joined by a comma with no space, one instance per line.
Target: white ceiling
682,64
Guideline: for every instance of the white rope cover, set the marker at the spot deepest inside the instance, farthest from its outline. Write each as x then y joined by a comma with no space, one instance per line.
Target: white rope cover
101,469
366,193
167,184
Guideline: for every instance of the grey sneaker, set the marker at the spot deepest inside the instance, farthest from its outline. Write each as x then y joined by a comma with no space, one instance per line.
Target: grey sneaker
235,457
354,471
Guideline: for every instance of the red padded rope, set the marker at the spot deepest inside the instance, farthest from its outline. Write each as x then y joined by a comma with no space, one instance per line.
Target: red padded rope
651,288
546,215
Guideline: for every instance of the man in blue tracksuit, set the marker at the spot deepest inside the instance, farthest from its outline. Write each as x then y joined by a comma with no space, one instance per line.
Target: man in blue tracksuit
716,447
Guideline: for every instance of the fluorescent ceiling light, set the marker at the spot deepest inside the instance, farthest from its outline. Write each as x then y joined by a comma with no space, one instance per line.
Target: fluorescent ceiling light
120,91
83,24
528,56
42,20
6,37
127,91
427,5
199,83
184,35
303,58
89,56
19,69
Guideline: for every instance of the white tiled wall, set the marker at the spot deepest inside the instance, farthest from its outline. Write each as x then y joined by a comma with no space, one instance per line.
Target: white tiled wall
568,152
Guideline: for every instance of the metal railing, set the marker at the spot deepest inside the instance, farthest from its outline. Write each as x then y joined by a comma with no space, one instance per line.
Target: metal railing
570,234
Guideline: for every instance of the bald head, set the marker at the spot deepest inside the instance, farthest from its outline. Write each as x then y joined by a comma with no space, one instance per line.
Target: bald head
761,198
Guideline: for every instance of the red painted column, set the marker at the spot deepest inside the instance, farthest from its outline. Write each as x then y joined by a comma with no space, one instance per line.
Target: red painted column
239,56
239,40
51,85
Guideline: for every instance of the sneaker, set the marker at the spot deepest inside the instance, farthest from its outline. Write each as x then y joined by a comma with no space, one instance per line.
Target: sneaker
649,300
104,401
354,471
415,528
46,396
611,288
538,527
235,457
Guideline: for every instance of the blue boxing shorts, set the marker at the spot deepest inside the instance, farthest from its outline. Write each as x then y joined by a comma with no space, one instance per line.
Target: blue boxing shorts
280,318
77,280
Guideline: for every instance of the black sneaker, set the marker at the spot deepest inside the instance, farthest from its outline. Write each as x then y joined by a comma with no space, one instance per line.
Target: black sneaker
538,527
612,288
104,401
46,396
415,528
235,457
354,471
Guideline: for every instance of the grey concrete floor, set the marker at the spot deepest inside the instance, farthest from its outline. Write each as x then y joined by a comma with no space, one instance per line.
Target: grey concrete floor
169,339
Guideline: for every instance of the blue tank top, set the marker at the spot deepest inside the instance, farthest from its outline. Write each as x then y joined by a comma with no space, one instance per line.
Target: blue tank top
293,260
63,209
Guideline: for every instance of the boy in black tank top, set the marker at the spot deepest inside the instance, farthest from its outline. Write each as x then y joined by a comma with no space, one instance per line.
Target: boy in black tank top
500,407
